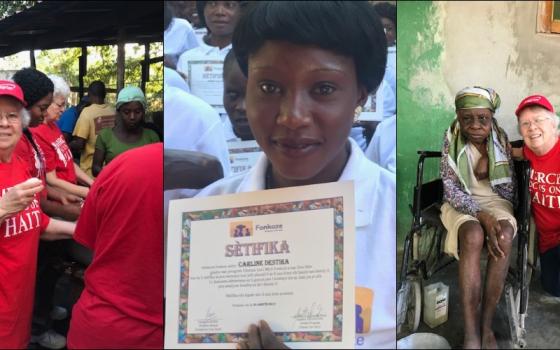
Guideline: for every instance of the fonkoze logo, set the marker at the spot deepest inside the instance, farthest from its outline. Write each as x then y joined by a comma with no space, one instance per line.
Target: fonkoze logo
241,229
270,227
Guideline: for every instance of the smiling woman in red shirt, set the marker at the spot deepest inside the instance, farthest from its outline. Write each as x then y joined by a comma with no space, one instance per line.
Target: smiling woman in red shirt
22,223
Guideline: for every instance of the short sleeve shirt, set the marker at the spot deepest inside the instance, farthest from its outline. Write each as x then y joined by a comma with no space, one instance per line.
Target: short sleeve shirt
122,222
107,141
544,187
19,239
58,157
91,121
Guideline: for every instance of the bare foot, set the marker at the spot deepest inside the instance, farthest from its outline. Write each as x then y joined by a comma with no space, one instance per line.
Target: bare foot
488,339
471,342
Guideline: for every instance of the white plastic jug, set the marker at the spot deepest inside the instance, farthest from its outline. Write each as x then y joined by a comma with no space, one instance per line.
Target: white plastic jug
423,341
436,301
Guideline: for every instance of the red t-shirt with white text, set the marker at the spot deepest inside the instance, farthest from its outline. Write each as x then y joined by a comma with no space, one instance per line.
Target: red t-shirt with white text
57,153
544,187
122,222
19,240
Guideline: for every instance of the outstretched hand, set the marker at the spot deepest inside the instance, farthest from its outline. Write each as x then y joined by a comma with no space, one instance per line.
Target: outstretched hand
261,337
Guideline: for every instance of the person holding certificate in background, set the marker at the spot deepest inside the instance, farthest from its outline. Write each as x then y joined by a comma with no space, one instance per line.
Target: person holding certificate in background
309,66
203,65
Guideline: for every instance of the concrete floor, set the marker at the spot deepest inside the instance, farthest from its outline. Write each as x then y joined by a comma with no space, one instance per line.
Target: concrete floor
542,323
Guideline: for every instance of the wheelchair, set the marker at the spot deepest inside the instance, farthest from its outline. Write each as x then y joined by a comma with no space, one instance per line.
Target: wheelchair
423,254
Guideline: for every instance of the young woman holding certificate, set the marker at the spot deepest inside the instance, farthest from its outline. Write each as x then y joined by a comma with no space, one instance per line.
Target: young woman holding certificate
310,67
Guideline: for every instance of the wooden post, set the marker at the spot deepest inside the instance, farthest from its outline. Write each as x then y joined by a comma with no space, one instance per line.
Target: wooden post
82,71
32,58
145,67
120,61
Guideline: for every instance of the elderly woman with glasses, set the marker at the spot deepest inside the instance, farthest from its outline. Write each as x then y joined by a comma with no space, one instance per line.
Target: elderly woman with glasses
538,124
479,187
22,222
61,171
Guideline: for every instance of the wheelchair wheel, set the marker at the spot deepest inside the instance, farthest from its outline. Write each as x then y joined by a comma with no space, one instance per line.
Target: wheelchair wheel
427,246
409,305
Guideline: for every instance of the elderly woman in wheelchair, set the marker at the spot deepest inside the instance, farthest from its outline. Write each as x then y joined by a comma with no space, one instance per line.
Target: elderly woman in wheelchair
479,190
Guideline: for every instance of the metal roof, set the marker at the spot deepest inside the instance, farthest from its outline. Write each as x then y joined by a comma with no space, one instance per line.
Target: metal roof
62,24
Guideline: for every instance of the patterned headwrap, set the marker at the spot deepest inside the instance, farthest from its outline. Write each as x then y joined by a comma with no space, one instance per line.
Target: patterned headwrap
498,163
477,97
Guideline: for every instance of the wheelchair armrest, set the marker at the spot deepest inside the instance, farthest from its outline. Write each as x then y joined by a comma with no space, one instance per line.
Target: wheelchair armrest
517,143
429,154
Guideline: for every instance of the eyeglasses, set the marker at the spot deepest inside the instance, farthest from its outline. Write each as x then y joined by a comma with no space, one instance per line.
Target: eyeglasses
526,125
482,120
11,117
60,105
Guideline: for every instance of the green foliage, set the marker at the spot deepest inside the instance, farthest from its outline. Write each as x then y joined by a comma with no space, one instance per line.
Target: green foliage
101,65
8,8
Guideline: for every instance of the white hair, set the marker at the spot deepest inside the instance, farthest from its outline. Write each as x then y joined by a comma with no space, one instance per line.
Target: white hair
25,117
61,87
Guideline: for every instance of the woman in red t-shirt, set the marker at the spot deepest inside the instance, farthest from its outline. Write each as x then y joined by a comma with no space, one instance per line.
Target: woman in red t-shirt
21,223
538,124
61,171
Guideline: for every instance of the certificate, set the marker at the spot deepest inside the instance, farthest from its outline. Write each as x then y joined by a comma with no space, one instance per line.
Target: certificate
275,255
243,155
205,81
373,109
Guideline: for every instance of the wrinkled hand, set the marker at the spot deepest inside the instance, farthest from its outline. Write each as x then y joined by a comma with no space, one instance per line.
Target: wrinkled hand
20,196
493,232
481,169
261,337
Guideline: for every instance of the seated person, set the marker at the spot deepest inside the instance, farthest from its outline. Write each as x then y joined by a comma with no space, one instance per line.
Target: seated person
538,124
479,188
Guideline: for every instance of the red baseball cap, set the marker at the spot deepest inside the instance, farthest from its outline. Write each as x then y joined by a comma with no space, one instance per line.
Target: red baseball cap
9,88
534,100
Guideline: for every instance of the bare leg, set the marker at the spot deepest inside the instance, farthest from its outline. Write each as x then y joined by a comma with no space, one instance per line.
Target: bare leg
471,241
495,276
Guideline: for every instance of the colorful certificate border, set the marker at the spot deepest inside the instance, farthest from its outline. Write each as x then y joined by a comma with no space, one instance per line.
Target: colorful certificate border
335,203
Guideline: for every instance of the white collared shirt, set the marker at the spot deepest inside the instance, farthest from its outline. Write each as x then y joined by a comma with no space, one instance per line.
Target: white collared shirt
179,37
383,145
374,189
172,78
191,124
205,52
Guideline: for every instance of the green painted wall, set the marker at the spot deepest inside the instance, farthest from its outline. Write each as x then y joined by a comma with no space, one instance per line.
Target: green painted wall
421,124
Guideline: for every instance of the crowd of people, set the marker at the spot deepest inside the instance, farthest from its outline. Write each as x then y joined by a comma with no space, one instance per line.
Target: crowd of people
292,78
54,185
